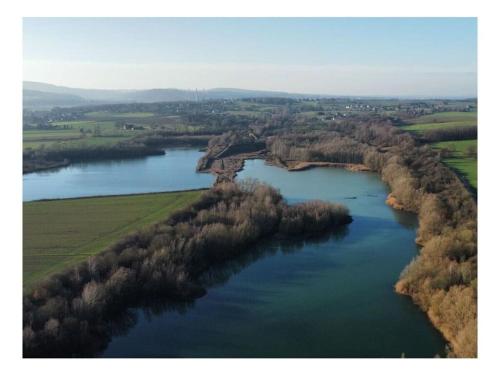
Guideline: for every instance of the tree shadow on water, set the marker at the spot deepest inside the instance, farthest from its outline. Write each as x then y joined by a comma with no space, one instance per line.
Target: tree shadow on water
220,274
123,322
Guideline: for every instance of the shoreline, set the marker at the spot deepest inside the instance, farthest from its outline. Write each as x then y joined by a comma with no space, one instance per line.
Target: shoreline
391,201
67,161
226,169
39,165
116,195
143,287
304,165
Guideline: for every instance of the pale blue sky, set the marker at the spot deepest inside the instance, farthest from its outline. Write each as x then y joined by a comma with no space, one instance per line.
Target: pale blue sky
344,56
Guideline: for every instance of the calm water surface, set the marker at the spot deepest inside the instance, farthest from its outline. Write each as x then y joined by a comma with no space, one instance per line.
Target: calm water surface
173,171
331,297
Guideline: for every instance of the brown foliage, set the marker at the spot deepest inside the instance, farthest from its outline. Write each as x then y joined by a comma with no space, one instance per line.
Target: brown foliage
70,314
442,279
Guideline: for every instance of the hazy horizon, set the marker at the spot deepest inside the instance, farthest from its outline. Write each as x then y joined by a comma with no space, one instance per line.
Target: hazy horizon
389,57
257,89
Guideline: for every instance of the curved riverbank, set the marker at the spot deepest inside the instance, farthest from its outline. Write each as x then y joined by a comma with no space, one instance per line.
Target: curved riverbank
443,276
72,313
394,203
305,298
373,243
463,345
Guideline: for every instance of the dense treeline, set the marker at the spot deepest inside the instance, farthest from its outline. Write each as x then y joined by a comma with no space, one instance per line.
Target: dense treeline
42,158
166,138
72,313
317,146
450,134
151,143
442,279
123,150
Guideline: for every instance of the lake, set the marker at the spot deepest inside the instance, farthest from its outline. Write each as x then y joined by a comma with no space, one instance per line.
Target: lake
328,297
173,171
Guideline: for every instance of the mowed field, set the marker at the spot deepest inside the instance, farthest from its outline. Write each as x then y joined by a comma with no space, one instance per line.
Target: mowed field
80,133
60,233
443,120
118,115
460,160
446,117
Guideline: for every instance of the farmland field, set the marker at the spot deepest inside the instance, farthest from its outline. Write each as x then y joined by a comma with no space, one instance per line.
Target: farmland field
77,133
447,117
442,120
438,125
60,233
118,115
460,160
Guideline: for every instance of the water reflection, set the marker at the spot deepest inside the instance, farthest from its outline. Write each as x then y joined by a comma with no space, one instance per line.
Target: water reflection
176,170
220,274
217,275
325,297
406,219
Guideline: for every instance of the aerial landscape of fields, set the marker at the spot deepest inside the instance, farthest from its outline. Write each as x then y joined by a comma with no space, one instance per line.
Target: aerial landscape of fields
80,227
289,222
460,154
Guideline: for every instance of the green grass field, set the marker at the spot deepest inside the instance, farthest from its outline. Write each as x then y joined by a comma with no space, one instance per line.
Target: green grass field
76,125
72,137
443,120
32,135
459,160
107,127
438,125
446,117
118,115
60,233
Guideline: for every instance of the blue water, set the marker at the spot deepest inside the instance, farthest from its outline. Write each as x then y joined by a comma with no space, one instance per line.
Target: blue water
331,297
173,171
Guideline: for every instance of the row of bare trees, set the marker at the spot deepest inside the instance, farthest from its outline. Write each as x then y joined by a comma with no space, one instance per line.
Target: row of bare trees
73,313
318,146
450,134
442,279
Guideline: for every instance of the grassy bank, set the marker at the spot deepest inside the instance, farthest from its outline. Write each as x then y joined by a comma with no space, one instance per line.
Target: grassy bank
60,233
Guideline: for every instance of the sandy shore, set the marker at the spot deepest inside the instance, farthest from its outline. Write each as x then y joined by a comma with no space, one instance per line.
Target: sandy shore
303,165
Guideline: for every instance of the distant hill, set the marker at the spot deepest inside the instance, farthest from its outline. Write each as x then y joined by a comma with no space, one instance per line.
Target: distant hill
40,99
44,95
